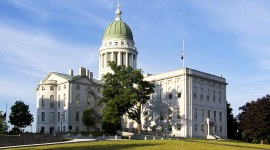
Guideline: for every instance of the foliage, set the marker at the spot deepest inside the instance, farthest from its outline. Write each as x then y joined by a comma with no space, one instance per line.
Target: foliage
126,91
20,115
88,118
111,120
254,120
2,123
232,124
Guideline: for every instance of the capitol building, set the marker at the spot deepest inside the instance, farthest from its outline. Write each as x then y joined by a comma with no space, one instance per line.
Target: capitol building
186,102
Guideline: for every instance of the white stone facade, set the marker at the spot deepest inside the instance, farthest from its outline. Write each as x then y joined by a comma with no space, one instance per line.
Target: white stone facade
186,103
62,98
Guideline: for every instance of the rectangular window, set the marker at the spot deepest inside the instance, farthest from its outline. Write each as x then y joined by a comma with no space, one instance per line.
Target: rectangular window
169,127
208,94
178,94
214,95
64,128
115,57
220,129
43,88
64,97
42,101
64,116
201,93
178,113
58,116
123,59
178,127
51,116
52,88
208,114
109,58
59,88
195,127
78,86
202,127
161,115
116,43
195,113
77,128
202,113
219,97
215,115
170,96
65,86
194,92
215,128
77,116
52,101
220,116
42,116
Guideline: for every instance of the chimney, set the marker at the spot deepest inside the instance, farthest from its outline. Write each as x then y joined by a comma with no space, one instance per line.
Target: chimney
91,75
70,72
87,73
82,71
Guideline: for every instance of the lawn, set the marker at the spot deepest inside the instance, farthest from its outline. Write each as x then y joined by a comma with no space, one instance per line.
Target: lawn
181,144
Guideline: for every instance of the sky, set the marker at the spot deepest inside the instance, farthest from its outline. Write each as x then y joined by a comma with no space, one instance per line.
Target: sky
229,37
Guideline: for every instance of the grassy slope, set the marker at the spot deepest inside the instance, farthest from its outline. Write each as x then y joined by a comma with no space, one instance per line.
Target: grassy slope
182,144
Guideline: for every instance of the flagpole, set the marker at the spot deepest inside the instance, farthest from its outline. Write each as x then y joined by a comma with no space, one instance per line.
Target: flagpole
183,59
6,112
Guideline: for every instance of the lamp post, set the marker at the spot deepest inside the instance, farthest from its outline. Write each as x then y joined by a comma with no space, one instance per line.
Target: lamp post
61,121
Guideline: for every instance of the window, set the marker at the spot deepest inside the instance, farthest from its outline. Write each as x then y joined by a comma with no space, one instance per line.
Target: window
220,129
116,43
65,86
202,113
201,95
108,58
64,128
214,95
194,92
170,96
122,43
178,113
219,96
51,88
64,116
77,116
195,113
77,128
59,87
78,86
215,115
58,116
43,88
215,128
169,127
64,97
77,100
42,101
59,104
195,127
51,101
208,94
208,114
51,117
42,116
202,127
220,116
170,113
161,115
178,127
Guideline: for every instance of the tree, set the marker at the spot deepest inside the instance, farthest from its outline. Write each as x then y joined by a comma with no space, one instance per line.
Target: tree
111,119
232,124
2,123
126,91
88,117
20,115
254,120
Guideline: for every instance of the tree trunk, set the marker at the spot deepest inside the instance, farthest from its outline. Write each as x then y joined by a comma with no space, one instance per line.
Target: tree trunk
139,127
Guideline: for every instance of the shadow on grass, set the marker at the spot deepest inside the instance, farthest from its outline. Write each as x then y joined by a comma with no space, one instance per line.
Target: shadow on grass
225,143
104,147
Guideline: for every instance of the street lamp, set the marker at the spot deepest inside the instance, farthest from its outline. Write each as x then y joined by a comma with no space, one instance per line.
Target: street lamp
61,121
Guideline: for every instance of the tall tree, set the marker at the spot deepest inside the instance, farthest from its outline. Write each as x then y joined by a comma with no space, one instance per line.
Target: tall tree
111,119
20,115
232,124
88,117
254,120
2,123
126,91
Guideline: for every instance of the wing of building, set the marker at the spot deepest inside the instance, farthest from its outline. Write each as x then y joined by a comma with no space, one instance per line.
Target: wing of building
186,102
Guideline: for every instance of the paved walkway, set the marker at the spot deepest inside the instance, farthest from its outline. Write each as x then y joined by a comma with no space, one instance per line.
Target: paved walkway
71,141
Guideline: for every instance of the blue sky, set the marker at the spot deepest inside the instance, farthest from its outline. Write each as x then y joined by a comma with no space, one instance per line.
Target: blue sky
221,37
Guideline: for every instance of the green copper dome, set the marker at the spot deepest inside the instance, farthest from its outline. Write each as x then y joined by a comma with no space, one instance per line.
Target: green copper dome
118,29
